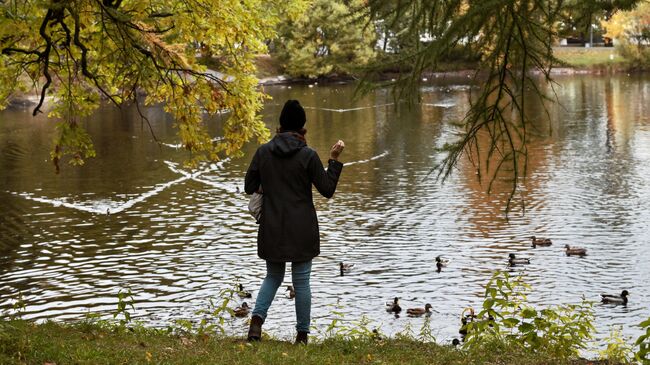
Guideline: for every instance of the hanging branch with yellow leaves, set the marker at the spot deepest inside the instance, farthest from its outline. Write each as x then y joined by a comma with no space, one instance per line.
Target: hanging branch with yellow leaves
81,51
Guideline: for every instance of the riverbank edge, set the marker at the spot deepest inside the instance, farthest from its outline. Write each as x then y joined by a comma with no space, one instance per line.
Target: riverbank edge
27,342
466,73
28,100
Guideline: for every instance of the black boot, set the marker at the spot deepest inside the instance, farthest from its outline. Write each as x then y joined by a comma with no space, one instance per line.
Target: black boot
301,338
255,330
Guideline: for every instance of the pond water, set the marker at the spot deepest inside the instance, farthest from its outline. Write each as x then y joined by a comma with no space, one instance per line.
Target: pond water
176,239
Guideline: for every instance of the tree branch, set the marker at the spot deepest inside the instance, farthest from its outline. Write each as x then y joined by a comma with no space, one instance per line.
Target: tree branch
45,58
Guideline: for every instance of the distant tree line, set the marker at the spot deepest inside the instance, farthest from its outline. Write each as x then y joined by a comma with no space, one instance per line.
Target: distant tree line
343,37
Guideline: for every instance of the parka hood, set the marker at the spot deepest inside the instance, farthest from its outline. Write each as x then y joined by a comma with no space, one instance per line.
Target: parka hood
286,144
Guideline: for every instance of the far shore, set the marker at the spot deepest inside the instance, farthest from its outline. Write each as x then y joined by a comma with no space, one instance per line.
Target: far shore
578,61
457,74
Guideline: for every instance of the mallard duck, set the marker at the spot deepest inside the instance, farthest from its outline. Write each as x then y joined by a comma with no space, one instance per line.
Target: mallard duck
393,307
290,292
376,335
541,241
419,311
615,299
577,251
440,263
513,260
345,267
465,319
439,266
242,311
243,293
467,315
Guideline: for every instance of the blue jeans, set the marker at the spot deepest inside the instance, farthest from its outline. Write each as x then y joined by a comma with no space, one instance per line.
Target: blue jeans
300,272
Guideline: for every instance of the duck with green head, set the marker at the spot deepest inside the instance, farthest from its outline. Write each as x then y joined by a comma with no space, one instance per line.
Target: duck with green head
615,299
243,293
514,260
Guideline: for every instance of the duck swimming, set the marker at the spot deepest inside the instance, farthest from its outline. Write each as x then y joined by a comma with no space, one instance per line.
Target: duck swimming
615,299
471,317
393,307
419,311
541,241
345,267
243,293
291,292
443,262
465,319
575,251
440,263
513,260
242,311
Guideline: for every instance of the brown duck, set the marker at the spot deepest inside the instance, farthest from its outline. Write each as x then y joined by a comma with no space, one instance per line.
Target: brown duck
419,311
242,311
541,241
575,251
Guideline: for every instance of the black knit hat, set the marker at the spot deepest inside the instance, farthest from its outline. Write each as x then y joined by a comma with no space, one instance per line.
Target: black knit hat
292,117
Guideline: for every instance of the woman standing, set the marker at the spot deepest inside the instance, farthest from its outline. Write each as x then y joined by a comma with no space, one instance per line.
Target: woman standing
284,169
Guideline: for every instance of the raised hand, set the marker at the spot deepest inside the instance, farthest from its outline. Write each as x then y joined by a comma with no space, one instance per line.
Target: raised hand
336,150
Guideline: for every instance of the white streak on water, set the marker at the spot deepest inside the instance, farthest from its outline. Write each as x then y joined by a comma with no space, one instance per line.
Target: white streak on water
96,207
231,188
440,105
341,110
348,110
383,154
107,206
101,206
212,167
180,145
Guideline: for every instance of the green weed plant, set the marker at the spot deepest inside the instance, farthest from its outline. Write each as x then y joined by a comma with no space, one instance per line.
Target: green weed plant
340,329
507,317
643,342
617,350
214,317
124,302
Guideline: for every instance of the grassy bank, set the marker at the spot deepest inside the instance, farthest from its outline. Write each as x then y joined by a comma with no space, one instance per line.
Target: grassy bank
23,342
598,59
585,58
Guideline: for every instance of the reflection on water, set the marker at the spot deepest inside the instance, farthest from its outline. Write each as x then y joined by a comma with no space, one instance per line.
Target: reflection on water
134,217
